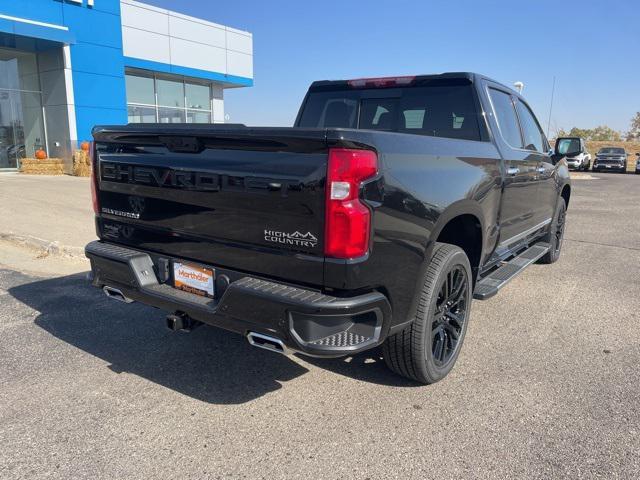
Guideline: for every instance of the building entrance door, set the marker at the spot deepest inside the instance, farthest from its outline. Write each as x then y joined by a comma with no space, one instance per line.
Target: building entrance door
21,115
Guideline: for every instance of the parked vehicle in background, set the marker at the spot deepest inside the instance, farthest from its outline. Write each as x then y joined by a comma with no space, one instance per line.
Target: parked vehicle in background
611,159
374,221
580,161
638,163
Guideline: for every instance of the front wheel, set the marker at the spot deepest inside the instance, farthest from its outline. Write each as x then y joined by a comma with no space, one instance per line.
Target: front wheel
555,237
427,349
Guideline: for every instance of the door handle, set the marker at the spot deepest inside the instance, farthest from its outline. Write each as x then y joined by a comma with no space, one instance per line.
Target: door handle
542,170
513,171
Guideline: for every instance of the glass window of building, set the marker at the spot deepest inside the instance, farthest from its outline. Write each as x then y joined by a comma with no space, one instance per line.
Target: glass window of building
141,114
170,93
170,115
140,90
198,96
195,116
166,99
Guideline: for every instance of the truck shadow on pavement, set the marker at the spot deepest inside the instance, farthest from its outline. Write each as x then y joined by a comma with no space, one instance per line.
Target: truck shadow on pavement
209,364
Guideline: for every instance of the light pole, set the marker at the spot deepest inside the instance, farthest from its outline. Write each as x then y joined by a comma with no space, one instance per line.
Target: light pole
519,86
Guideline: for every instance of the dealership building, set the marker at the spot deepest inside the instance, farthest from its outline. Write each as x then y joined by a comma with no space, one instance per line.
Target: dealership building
67,65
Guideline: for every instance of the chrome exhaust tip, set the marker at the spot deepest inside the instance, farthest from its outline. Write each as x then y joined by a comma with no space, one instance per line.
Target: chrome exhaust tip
116,294
272,344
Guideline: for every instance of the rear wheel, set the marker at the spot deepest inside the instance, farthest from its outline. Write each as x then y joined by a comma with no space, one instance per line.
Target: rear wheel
555,237
428,348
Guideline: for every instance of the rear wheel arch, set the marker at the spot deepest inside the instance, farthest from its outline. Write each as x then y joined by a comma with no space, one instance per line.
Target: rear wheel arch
462,225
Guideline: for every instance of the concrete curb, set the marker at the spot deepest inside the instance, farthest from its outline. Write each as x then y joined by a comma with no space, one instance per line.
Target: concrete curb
44,246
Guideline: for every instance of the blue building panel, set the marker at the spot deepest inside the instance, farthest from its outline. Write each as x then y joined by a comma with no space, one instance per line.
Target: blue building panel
43,33
101,91
97,59
49,11
94,26
88,117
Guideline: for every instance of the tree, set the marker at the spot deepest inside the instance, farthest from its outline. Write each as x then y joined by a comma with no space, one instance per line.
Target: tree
633,135
601,133
580,132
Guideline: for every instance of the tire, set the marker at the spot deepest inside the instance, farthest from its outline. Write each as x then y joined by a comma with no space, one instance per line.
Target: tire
425,351
555,238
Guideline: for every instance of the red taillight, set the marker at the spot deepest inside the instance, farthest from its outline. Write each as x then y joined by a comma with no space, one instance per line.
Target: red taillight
383,82
94,179
348,220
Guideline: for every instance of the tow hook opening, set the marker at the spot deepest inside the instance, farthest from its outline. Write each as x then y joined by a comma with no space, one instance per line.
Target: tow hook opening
267,342
181,322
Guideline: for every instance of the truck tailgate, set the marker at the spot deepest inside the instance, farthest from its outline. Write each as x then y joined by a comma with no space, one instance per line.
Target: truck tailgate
240,198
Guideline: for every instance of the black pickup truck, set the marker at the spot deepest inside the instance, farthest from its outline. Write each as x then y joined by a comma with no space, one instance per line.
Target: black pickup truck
374,221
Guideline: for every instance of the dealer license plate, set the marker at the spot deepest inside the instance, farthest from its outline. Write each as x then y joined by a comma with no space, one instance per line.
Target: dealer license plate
194,279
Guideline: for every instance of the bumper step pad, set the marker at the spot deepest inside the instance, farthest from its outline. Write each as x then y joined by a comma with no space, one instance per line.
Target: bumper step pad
488,286
341,340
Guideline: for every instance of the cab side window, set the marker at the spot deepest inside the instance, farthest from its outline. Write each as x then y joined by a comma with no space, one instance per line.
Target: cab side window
533,136
506,117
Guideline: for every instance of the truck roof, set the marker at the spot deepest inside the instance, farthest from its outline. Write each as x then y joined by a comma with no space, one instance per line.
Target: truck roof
449,78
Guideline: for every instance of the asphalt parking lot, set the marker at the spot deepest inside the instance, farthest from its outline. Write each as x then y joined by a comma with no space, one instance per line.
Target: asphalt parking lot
547,384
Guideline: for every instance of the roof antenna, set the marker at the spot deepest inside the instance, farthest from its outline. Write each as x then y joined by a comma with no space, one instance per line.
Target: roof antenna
519,86
553,89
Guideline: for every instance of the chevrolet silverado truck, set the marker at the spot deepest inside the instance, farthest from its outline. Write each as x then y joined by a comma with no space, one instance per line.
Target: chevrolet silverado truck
611,159
373,221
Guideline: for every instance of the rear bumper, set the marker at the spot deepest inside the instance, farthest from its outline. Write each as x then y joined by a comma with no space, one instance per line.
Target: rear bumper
304,320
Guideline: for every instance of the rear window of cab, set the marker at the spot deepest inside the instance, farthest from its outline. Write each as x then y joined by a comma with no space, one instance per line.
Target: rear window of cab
437,111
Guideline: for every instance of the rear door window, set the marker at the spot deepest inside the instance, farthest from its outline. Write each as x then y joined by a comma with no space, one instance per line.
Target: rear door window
533,136
506,117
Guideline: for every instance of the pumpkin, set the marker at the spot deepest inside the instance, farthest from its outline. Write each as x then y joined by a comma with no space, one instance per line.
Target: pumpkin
41,154
84,146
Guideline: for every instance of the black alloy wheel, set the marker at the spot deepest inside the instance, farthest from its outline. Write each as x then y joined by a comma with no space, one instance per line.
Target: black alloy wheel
559,233
555,236
449,317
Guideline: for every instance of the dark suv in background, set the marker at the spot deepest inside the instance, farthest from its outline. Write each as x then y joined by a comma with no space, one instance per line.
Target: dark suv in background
611,159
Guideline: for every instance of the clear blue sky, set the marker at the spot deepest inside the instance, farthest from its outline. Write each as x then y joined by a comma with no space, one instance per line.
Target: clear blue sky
592,47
